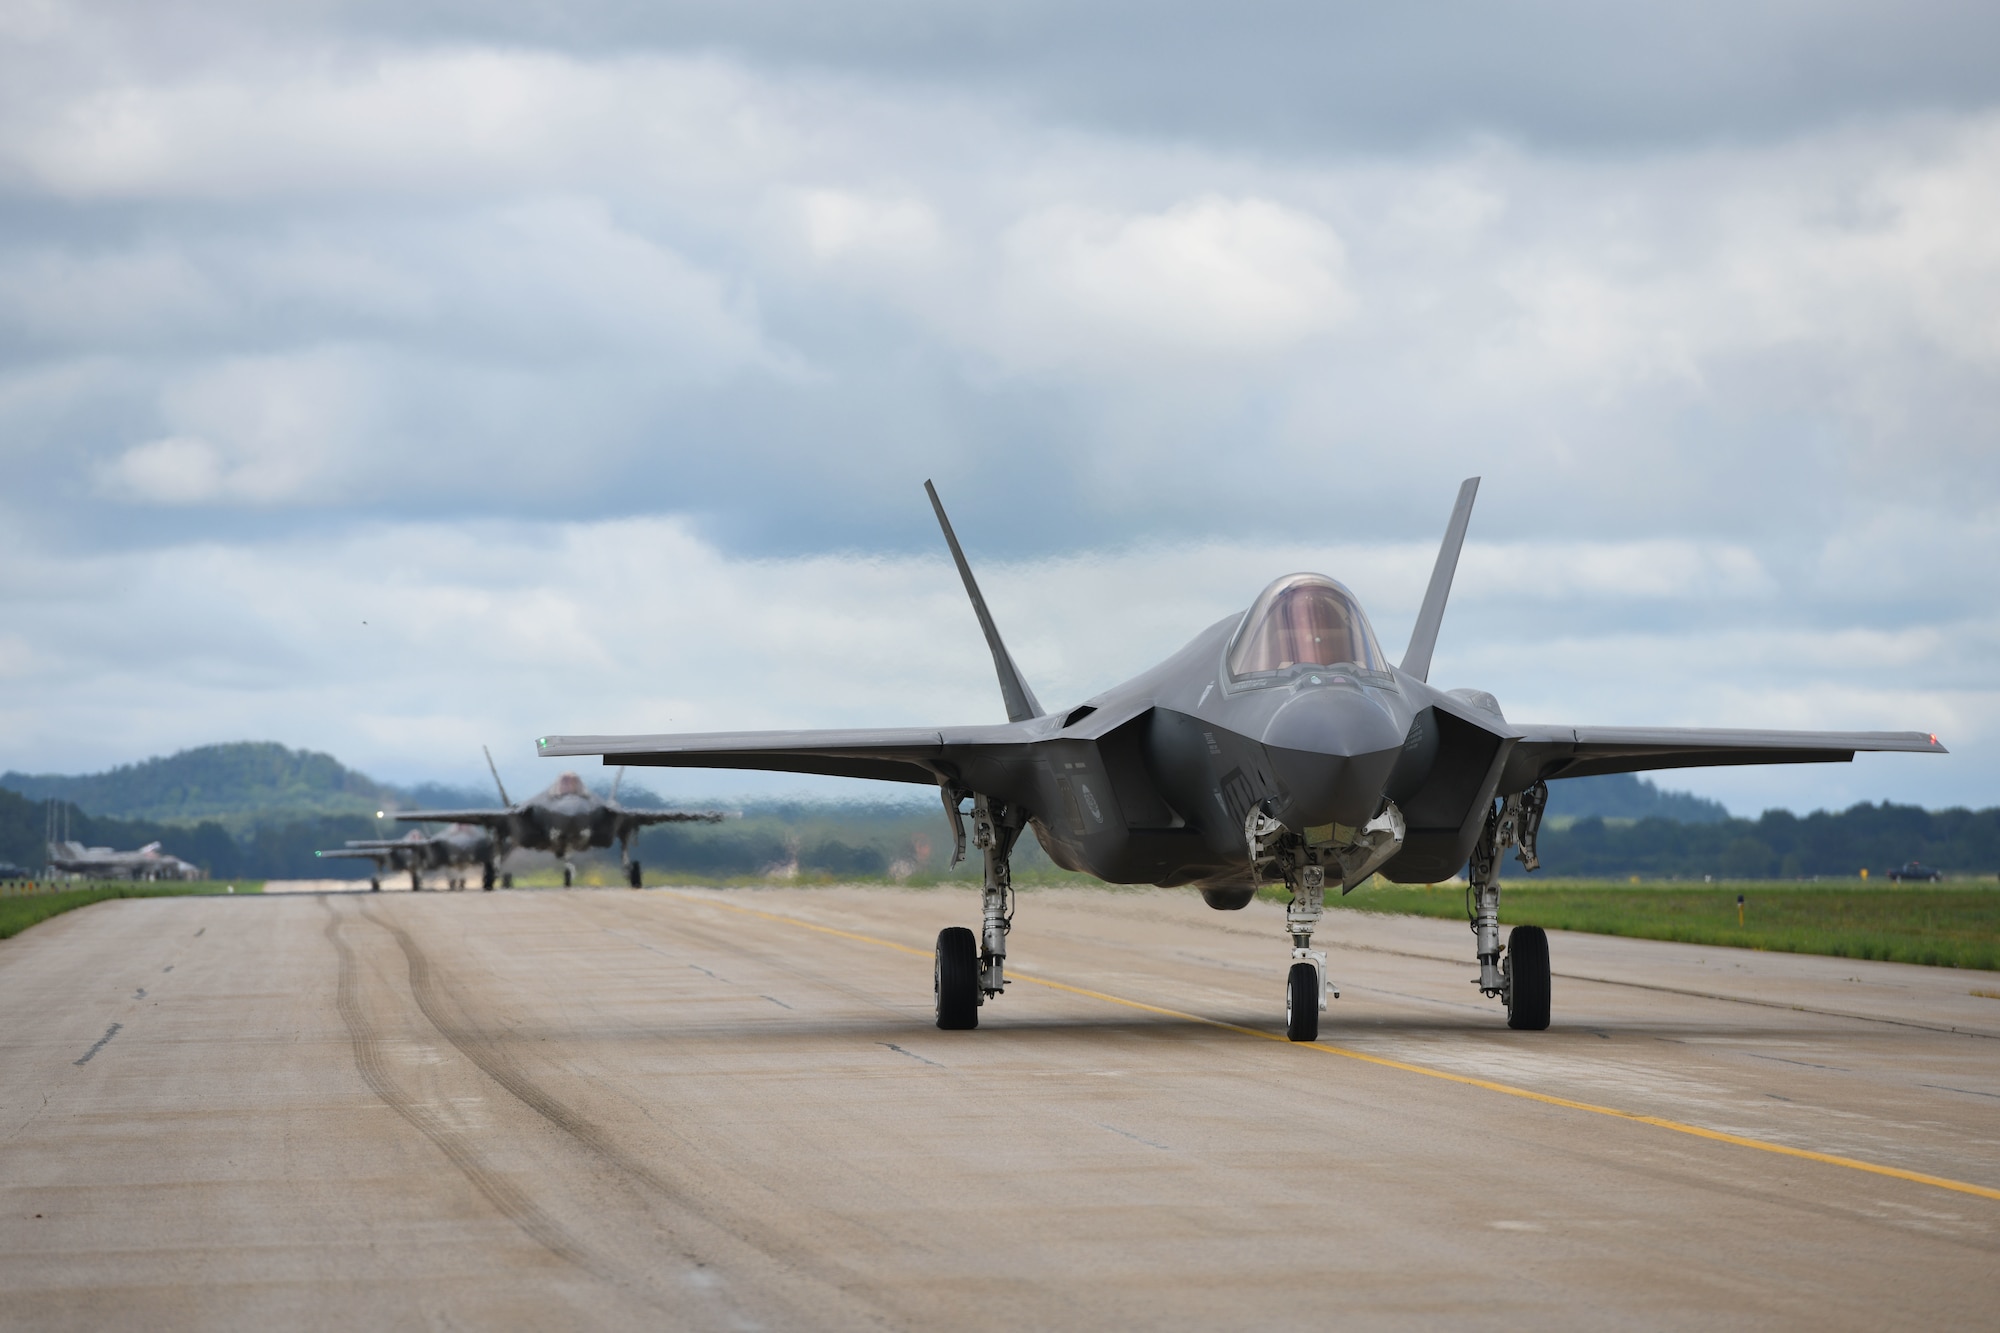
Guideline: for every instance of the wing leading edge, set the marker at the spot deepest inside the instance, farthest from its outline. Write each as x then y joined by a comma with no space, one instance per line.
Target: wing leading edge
488,818
1551,752
895,754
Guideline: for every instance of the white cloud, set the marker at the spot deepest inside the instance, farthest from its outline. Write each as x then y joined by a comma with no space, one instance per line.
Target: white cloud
1209,277
175,471
848,224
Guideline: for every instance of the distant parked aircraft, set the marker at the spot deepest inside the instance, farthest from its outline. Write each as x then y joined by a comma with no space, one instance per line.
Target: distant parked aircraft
149,862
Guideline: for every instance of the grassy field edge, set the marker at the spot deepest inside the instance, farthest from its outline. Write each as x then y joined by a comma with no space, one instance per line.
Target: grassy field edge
18,911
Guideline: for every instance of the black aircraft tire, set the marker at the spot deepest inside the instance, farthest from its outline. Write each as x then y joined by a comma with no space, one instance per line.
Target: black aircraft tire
956,980
506,881
634,878
1302,1002
1228,900
375,886
1528,974
568,875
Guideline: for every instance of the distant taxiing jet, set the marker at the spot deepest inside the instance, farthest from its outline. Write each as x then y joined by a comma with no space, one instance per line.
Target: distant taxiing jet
566,819
458,848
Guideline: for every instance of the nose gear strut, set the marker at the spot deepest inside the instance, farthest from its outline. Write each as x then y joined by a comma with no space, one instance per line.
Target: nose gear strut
1276,853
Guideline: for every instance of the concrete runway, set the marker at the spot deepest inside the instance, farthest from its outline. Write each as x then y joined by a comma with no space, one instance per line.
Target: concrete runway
692,1109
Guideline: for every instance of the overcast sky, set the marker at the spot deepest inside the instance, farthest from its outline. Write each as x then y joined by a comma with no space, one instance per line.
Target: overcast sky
389,378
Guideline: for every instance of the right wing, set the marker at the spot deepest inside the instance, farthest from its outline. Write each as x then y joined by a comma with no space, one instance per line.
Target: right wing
355,854
486,818
893,754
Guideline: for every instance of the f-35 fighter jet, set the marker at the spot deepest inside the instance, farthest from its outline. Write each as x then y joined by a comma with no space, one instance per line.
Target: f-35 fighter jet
1280,746
566,819
458,848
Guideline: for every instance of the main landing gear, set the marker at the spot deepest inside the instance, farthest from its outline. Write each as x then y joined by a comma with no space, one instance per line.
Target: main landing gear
968,972
632,875
1521,979
375,884
569,874
416,882
487,875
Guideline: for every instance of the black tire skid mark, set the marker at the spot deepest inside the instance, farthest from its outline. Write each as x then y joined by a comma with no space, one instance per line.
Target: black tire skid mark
486,1054
497,1189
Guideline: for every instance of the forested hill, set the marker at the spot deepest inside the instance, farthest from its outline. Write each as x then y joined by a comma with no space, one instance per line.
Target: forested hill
1628,796
250,783
258,779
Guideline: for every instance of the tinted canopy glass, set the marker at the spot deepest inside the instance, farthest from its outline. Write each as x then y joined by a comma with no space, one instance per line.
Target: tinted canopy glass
1303,620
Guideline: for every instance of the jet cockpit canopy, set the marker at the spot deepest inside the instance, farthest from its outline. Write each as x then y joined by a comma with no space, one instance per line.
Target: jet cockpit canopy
1303,620
569,784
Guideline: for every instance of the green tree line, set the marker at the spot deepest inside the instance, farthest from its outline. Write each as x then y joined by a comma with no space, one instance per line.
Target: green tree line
1780,844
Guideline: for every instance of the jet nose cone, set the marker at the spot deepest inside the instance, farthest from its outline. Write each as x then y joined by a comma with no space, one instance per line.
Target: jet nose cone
1335,722
1333,750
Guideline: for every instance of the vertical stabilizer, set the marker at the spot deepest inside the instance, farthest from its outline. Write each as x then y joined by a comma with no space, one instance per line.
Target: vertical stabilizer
1020,699
490,768
1423,639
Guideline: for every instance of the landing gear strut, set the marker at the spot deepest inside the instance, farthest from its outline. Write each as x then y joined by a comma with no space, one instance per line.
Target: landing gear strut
1521,982
1306,987
569,874
486,877
965,980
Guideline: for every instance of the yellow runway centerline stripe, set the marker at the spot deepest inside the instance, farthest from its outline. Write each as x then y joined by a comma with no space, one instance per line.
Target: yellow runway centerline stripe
1505,1089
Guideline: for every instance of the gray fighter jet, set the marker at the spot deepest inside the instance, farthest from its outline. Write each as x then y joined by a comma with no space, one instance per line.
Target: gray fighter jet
148,862
566,819
1280,746
459,848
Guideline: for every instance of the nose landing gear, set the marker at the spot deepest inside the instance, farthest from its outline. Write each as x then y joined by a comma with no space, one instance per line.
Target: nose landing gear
1302,861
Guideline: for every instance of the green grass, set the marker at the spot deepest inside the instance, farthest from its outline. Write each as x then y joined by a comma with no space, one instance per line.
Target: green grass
1936,926
18,911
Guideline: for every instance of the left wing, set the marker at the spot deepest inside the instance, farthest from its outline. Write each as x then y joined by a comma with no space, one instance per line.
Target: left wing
1551,752
893,754
641,818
